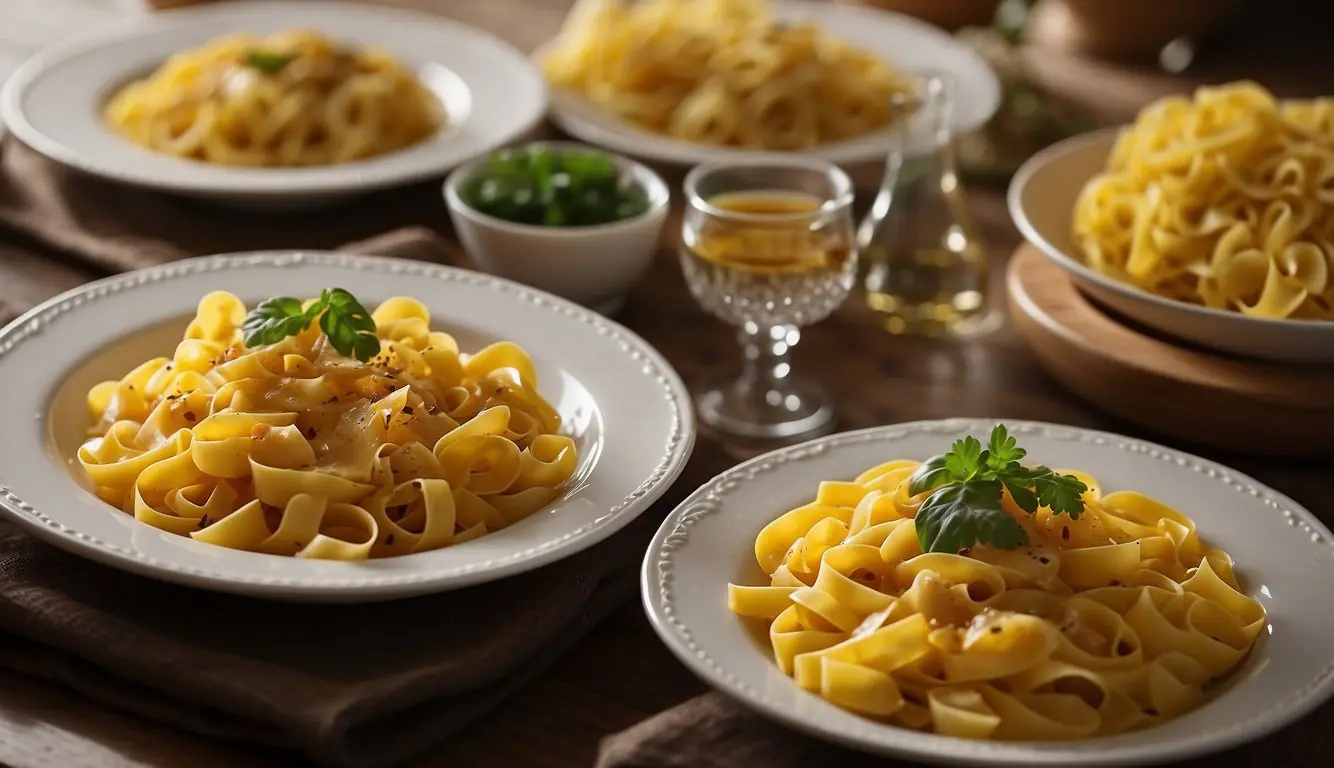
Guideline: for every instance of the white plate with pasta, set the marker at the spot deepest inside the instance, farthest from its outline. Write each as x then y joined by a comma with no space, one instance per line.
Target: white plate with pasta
889,589
703,80
1222,238
242,423
274,103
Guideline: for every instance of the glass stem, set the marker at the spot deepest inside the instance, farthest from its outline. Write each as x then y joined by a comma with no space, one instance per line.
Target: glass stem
768,352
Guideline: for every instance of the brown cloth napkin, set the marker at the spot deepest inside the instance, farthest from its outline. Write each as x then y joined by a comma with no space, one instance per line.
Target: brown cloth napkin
113,228
358,685
712,731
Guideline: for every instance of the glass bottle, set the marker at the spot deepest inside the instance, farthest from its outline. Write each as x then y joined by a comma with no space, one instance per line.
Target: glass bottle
925,271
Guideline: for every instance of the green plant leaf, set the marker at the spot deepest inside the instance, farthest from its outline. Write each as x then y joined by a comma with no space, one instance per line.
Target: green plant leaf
1003,450
964,458
960,515
1060,493
930,475
266,62
273,320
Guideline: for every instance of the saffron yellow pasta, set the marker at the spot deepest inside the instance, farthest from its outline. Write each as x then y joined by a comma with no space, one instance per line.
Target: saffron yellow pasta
721,72
295,449
1115,621
289,99
1225,199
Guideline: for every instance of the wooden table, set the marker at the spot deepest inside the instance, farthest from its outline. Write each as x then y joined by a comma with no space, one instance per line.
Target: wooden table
621,673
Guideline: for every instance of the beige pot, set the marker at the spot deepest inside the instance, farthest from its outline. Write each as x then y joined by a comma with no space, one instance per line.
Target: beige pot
946,14
1134,29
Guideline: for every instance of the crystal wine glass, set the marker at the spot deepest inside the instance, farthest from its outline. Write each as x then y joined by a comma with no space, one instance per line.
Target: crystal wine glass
768,246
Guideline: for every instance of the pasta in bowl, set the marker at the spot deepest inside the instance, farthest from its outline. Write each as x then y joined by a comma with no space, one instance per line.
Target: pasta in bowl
1205,220
319,430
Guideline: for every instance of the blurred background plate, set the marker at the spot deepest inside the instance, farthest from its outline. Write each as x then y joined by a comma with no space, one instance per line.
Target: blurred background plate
902,41
492,95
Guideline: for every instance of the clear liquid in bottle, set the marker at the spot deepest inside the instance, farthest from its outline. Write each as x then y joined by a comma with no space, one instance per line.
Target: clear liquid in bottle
926,272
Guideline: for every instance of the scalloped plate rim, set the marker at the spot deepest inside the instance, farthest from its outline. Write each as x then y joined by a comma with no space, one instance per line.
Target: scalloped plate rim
899,742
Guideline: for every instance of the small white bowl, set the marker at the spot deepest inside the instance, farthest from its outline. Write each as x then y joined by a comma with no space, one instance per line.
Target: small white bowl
593,265
1042,200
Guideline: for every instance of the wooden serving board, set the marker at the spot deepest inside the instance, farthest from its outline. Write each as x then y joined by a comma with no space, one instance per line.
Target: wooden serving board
1190,396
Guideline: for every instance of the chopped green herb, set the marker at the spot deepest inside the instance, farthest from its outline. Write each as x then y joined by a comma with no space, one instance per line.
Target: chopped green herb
268,63
553,188
343,319
964,507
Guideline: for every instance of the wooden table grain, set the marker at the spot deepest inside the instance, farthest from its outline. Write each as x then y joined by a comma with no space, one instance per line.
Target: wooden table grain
621,673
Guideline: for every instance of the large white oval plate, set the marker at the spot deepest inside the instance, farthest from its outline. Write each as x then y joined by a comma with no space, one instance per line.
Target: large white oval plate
902,41
491,92
1284,556
626,408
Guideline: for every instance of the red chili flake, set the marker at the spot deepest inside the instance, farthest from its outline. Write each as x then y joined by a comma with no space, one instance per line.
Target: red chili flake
1124,649
995,630
331,400
310,433
189,415
1065,533
1044,560
389,540
407,409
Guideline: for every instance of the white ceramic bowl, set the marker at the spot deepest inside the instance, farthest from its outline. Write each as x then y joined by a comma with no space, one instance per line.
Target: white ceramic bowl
1042,199
594,266
491,93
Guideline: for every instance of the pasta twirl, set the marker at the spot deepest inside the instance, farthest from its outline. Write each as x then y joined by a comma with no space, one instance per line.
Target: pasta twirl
290,99
295,449
1112,622
1224,200
721,72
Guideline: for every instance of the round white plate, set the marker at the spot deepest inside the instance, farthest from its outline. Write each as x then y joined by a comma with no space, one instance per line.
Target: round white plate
626,408
900,40
1284,555
1042,200
53,103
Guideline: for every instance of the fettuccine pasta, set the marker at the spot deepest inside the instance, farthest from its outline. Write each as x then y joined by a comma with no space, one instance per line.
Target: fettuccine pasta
721,72
295,449
1112,622
289,99
1224,200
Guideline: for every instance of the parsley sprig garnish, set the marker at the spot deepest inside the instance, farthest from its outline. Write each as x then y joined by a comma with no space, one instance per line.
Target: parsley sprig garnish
964,507
348,325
